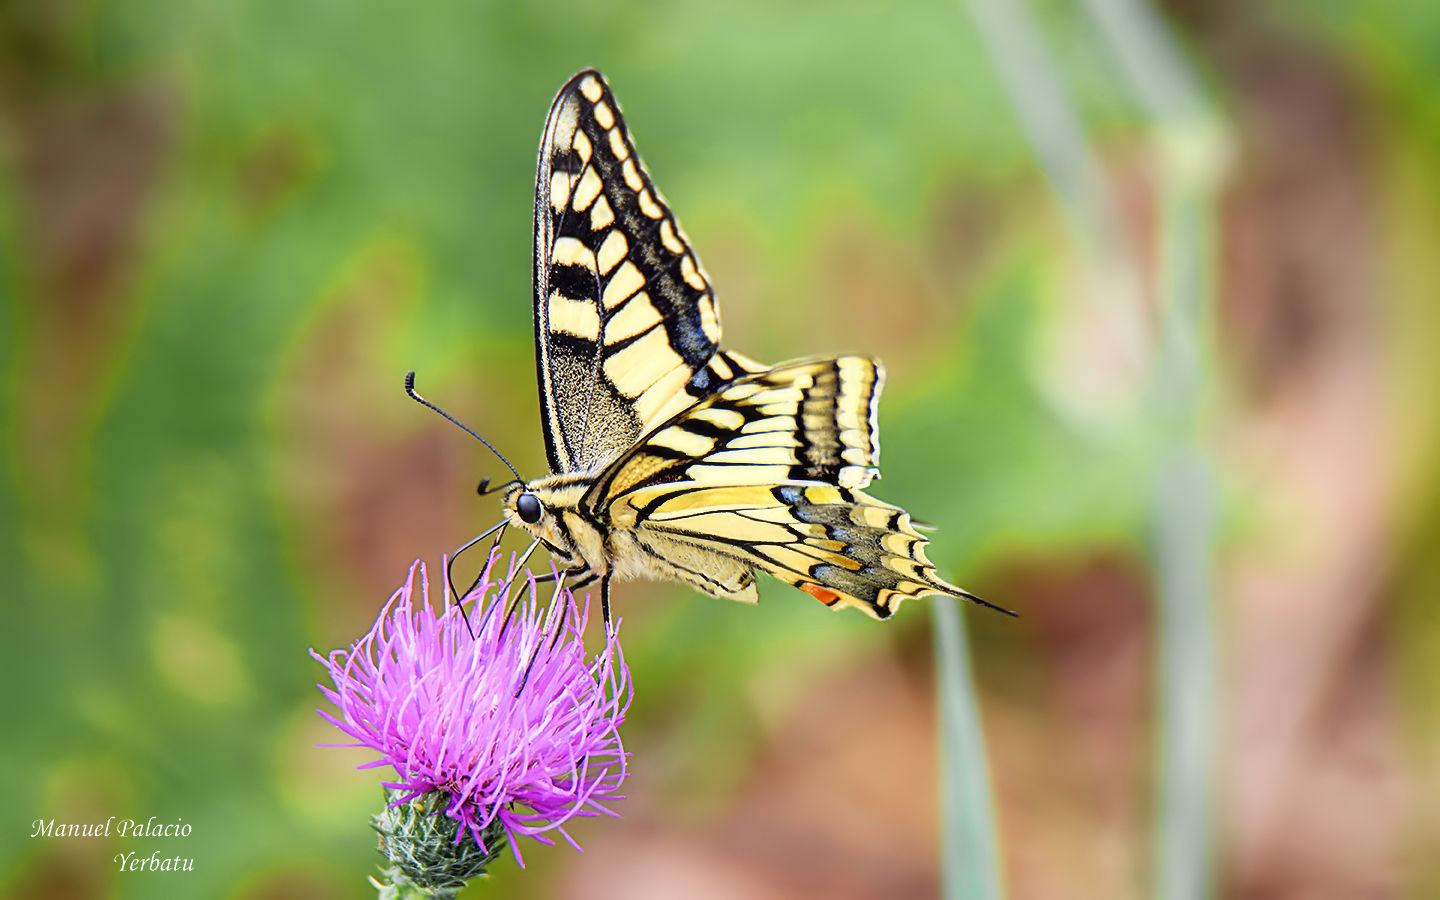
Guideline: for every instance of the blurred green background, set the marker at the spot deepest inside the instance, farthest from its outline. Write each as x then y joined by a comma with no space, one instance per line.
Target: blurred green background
228,228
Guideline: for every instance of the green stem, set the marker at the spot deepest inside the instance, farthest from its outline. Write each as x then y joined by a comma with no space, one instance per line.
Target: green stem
969,856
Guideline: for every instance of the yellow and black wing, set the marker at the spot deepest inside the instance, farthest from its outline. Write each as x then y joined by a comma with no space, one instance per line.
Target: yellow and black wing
767,472
807,420
627,330
841,546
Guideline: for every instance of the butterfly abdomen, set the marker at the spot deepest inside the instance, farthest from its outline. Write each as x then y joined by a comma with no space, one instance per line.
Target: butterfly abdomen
661,557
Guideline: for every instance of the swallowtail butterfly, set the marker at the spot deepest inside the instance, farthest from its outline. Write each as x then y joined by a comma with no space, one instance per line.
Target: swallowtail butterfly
672,457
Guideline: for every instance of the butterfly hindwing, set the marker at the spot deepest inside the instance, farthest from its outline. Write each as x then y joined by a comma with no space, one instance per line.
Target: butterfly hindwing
626,324
841,546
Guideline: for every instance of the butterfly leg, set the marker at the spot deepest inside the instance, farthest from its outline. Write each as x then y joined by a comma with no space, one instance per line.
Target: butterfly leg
588,579
561,576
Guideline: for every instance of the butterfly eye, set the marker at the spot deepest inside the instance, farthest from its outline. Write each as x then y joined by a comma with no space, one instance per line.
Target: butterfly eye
528,506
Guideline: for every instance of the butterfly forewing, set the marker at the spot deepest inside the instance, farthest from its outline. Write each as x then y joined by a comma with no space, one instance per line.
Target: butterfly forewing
626,323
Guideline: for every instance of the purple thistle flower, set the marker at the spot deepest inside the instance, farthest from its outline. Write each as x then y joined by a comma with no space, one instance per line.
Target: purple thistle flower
512,726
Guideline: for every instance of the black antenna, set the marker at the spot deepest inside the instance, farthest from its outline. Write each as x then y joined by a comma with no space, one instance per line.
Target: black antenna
484,489
414,395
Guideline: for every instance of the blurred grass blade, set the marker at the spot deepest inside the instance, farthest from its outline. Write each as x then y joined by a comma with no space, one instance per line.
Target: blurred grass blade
1184,515
969,855
1191,150
1056,134
1051,123
1190,146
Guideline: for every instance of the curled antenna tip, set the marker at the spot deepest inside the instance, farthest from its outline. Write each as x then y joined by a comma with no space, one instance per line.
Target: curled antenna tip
415,395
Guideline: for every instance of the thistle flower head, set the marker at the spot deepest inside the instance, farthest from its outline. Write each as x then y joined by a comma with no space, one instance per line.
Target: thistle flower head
503,718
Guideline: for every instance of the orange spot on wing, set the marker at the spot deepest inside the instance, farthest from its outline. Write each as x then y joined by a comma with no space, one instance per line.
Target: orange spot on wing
824,595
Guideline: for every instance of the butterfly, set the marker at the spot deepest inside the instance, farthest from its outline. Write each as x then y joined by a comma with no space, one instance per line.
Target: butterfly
672,457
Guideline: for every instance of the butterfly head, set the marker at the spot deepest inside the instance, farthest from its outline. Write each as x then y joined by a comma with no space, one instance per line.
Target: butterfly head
548,509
